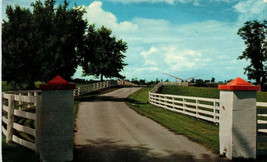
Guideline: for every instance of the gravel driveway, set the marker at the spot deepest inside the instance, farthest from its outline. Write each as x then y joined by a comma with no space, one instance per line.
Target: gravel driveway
108,130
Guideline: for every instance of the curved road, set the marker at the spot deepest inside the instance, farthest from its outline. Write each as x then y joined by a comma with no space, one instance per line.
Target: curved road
108,130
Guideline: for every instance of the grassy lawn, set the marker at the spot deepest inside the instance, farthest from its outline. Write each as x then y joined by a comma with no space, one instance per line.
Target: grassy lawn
196,130
202,92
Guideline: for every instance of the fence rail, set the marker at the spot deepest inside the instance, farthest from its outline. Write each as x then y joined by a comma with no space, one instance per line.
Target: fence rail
14,106
203,108
99,85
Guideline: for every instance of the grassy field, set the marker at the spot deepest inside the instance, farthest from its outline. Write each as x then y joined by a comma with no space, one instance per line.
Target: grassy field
202,92
196,130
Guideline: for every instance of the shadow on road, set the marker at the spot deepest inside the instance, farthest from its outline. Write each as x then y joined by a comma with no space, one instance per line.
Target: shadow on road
104,150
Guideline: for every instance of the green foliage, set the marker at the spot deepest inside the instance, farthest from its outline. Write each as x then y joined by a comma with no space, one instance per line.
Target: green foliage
212,79
196,130
18,55
103,54
10,87
200,83
42,43
254,34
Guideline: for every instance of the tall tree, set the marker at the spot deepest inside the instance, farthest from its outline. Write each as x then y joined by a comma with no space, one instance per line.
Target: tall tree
60,33
254,34
41,44
20,62
105,54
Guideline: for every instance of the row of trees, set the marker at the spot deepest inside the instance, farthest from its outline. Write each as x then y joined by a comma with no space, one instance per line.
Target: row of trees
41,43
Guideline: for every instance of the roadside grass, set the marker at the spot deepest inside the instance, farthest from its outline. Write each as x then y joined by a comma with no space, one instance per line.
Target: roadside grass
194,129
14,153
197,130
202,92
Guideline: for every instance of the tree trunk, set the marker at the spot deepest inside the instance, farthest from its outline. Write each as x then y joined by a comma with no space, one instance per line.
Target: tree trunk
101,77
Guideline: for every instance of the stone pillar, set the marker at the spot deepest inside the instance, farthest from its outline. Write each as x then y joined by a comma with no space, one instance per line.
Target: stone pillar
57,121
237,130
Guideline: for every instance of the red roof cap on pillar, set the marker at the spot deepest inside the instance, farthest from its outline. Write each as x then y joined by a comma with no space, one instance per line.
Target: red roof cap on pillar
57,83
239,84
57,80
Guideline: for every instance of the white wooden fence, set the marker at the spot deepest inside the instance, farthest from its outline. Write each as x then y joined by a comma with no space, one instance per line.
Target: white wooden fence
14,106
203,108
99,85
261,127
92,87
207,109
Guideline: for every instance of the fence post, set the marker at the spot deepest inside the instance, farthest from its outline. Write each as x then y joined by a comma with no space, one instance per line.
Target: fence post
214,110
165,102
35,94
197,102
57,120
184,100
20,102
10,118
173,102
79,91
29,94
238,121
38,123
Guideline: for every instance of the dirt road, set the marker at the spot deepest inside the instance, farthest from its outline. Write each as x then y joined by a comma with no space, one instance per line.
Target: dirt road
108,130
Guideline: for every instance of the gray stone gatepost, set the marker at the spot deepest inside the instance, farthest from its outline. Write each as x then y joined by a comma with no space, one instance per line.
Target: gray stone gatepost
57,121
238,120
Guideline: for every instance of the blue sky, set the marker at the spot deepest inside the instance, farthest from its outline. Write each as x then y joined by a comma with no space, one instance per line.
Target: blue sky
181,37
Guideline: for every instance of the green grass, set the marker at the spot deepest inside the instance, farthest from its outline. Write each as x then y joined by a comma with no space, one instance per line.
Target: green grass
200,131
196,130
191,91
202,92
14,153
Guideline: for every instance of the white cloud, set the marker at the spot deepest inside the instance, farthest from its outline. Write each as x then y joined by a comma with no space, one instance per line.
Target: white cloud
95,14
159,45
142,1
180,60
170,2
172,58
149,69
251,9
